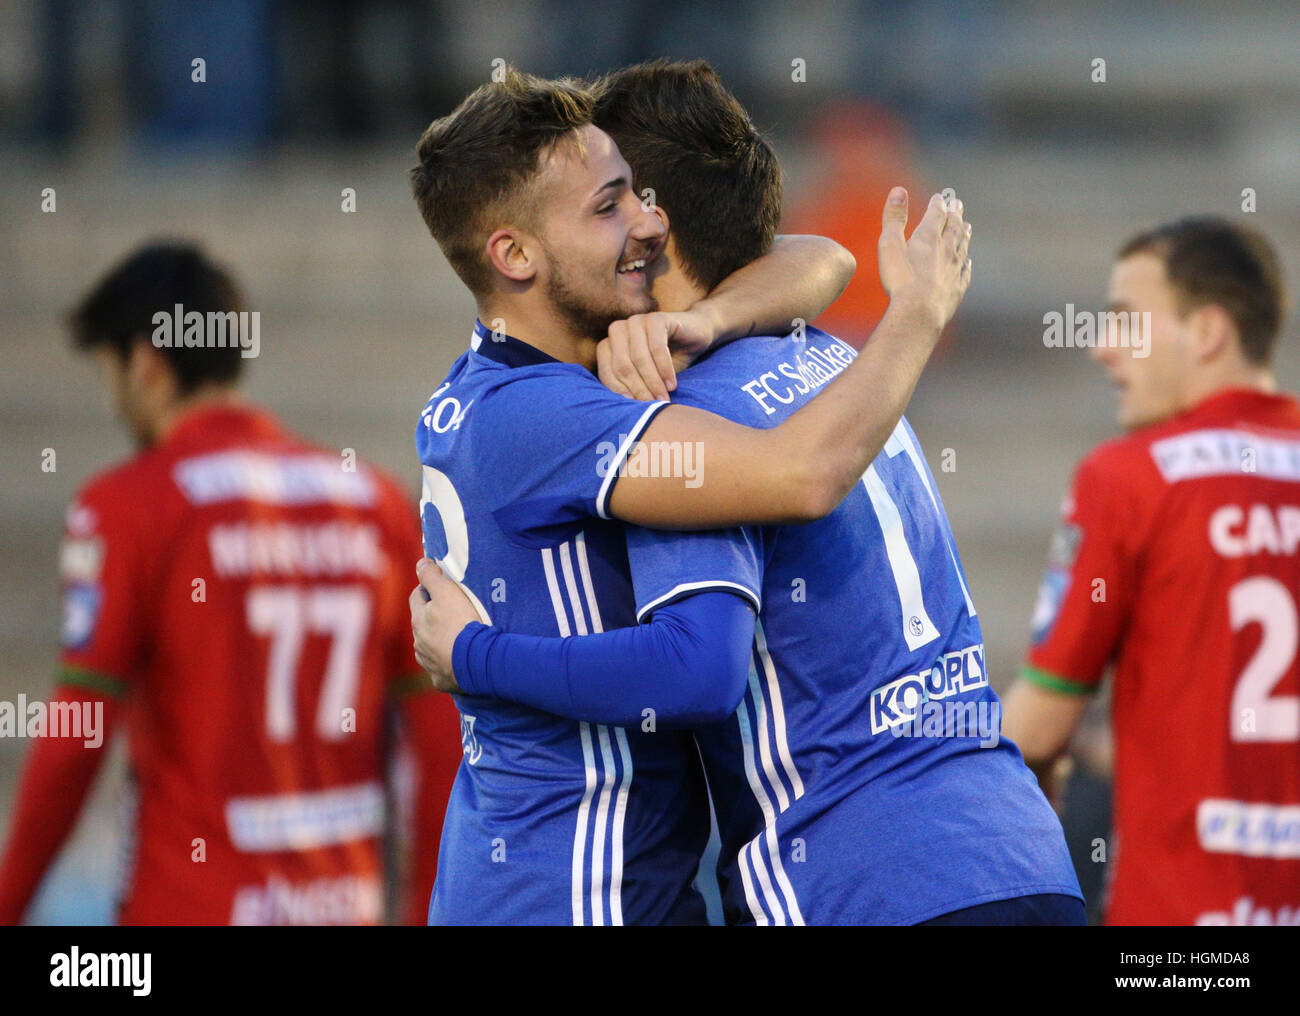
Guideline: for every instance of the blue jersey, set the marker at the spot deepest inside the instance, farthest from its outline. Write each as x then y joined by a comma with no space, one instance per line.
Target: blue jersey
550,821
862,778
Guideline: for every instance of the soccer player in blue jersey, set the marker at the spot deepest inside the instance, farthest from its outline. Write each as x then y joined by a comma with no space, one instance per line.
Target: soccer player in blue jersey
850,735
552,820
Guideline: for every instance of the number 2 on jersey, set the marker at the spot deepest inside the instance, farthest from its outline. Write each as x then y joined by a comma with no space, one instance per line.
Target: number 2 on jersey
1257,714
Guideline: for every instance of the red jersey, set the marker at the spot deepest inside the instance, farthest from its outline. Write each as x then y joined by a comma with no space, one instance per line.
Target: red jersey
248,590
1178,564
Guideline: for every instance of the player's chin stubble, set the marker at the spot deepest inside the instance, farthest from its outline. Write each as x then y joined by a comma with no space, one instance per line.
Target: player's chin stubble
588,317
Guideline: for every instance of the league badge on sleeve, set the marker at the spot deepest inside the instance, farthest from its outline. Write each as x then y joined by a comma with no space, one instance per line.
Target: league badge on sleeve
1065,546
81,562
1051,591
1056,580
81,603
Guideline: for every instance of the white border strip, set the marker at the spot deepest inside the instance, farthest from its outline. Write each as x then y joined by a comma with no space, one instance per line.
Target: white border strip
616,464
722,585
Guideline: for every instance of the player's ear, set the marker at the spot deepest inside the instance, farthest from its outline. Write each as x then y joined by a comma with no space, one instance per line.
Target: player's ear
662,216
514,254
138,363
1213,331
146,365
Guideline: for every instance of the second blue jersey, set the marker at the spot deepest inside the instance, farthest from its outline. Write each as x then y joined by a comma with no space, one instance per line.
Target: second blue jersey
863,778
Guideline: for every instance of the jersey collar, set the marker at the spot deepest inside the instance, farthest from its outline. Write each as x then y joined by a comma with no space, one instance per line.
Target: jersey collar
1236,400
505,349
224,418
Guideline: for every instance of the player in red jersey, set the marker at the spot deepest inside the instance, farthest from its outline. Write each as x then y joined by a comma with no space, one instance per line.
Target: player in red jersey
236,598
1178,565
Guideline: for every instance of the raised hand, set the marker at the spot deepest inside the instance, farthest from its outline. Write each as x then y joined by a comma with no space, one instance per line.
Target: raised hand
932,269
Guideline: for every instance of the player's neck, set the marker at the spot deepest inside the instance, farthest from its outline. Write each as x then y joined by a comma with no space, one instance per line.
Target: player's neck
212,396
1230,377
674,291
542,327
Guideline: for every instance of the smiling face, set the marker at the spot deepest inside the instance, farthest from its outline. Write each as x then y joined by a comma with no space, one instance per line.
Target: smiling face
596,237
1154,387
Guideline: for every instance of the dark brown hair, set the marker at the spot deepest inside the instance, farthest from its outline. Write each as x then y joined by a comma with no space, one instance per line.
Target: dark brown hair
120,309
1210,260
476,162
688,139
